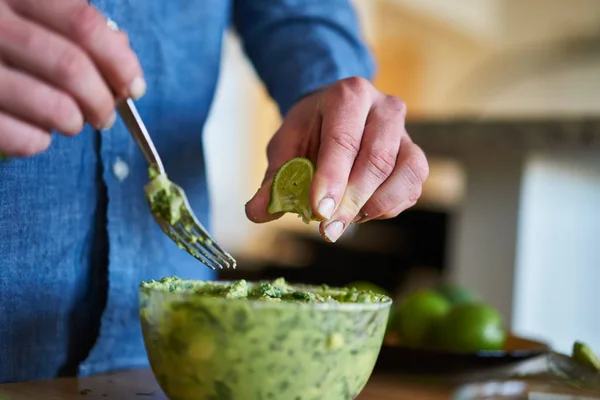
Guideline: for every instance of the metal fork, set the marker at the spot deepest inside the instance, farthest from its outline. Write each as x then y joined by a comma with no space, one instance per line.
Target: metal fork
187,232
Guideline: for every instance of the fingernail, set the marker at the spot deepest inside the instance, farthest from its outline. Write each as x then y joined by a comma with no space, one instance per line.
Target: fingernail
109,123
326,207
137,88
333,231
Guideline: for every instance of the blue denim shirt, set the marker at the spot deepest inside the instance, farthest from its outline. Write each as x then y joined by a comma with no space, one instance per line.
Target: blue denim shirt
76,235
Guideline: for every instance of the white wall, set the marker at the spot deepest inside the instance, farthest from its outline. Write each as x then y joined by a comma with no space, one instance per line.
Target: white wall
557,285
230,154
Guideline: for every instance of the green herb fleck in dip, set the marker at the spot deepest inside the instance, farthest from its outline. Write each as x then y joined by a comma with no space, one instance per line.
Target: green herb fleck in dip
258,341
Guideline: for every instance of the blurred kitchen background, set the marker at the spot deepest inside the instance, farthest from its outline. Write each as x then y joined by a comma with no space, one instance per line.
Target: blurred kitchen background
504,97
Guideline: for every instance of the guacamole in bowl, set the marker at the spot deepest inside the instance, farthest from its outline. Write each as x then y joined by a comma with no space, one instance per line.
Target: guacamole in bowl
261,340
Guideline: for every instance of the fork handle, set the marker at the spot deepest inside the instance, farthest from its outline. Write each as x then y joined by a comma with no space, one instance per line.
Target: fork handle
136,127
139,133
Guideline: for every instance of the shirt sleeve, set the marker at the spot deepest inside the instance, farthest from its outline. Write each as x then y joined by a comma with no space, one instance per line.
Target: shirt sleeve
298,46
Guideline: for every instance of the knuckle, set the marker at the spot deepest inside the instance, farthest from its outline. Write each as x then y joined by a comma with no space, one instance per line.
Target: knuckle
71,64
410,204
349,90
415,195
381,164
346,143
396,104
392,214
411,175
381,204
86,22
417,169
399,210
357,85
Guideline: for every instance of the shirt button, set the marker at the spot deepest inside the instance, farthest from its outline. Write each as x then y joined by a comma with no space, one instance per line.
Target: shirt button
120,169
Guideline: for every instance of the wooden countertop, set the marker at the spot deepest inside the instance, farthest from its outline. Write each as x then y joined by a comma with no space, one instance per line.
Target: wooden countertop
141,385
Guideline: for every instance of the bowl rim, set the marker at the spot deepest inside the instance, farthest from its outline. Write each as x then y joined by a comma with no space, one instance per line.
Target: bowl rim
254,303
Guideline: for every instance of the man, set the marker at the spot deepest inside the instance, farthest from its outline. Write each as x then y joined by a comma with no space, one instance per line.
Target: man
76,236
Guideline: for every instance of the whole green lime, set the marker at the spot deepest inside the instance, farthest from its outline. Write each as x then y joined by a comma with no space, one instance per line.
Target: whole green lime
584,354
458,294
416,315
470,327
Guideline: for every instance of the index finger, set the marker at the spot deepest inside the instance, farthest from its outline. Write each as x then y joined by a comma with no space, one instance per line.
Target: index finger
86,26
344,116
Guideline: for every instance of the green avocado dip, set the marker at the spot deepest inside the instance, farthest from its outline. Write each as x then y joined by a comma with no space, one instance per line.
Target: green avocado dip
168,204
278,290
163,197
261,341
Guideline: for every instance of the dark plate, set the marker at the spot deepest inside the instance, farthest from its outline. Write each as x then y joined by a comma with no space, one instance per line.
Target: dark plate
426,361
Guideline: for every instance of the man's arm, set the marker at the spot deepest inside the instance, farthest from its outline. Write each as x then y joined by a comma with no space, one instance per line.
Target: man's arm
299,46
367,167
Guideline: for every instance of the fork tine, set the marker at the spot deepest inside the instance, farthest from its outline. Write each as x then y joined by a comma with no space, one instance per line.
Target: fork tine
195,252
198,246
205,244
214,247
181,241
209,242
189,233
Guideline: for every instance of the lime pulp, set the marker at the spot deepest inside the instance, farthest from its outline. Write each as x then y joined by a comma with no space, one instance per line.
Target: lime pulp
290,189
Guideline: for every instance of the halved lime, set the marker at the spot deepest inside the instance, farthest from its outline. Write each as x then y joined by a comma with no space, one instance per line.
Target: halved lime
290,189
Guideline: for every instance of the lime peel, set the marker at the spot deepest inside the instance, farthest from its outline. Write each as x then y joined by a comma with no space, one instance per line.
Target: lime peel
290,189
583,354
